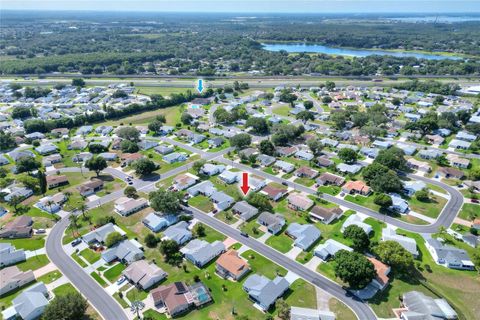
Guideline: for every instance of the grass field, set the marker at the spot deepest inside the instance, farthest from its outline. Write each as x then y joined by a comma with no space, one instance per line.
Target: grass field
34,243
341,310
201,202
90,255
164,91
98,278
469,211
50,277
262,265
281,242
122,302
114,272
79,260
34,263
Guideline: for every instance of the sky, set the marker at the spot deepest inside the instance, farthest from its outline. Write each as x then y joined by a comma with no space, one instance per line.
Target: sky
260,6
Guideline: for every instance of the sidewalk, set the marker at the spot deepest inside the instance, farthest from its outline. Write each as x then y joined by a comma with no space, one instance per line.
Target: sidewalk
421,216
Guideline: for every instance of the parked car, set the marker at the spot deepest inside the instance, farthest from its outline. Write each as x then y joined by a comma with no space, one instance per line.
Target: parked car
285,183
244,234
475,201
41,231
76,242
121,280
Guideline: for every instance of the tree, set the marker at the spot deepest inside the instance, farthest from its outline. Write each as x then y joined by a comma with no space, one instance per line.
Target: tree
27,164
29,182
330,85
259,125
165,201
347,155
316,146
97,148
308,104
283,309
78,82
259,201
144,166
383,200
327,99
130,192
241,140
171,252
476,259
360,238
151,240
113,238
339,119
129,133
155,126
70,306
422,195
266,147
128,146
199,230
394,255
186,118
15,202
393,158
42,181
475,173
96,164
373,132
6,141
198,165
83,208
354,268
161,118
305,116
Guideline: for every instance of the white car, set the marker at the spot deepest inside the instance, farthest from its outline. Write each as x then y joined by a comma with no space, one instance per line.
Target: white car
121,280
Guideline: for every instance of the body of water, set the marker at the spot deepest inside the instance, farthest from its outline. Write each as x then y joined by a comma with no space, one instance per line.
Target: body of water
315,48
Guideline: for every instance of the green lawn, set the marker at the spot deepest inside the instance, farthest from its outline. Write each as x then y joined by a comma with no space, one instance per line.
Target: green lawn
82,263
202,203
282,110
64,289
469,211
263,266
212,235
430,208
327,269
282,243
121,301
34,243
34,263
305,256
301,294
226,216
114,272
99,279
305,181
136,294
341,310
377,227
252,228
154,315
332,190
50,277
90,255
363,201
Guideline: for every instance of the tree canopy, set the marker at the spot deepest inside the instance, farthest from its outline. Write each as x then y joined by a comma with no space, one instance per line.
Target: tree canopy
354,268
165,201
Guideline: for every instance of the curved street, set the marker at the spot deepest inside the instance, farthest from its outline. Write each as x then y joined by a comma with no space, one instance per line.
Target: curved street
105,304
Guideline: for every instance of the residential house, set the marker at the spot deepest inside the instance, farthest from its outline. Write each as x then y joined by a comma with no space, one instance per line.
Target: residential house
380,282
20,227
417,305
56,181
90,187
222,200
356,187
178,232
28,305
298,313
406,148
413,186
263,291
129,158
229,177
304,155
323,161
126,251
450,173
212,169
355,219
82,157
429,154
46,149
126,206
244,210
299,202
247,152
286,151
205,188
156,222
266,160
163,149
327,178
329,142
381,144
325,215
409,244
231,265
215,142
435,139
144,275
12,278
284,166
465,136
274,193
51,159
349,168
458,162
184,181
9,255
273,222
459,144
306,172
449,256
77,145
305,235
418,165
329,248
174,157
17,155
99,235
257,183
51,204
20,192
3,160
201,252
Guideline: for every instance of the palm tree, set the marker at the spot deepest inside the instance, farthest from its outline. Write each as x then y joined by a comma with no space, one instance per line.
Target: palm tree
50,203
67,194
83,207
441,231
73,223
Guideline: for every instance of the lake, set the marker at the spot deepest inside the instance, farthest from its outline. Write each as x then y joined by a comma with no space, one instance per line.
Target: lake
315,48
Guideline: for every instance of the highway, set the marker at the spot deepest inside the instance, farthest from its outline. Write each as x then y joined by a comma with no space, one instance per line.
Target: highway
108,308
361,309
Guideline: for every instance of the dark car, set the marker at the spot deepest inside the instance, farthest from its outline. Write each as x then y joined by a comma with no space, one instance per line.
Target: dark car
475,201
76,242
285,183
244,234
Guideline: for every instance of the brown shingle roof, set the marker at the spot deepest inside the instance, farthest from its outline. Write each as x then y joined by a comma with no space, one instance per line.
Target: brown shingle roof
231,262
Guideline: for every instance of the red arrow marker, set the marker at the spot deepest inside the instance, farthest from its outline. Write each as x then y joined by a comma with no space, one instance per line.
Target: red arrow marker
245,186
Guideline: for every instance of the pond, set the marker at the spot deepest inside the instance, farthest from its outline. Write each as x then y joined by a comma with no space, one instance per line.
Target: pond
315,48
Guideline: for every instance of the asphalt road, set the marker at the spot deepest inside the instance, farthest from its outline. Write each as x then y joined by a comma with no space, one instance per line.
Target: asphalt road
105,304
361,309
